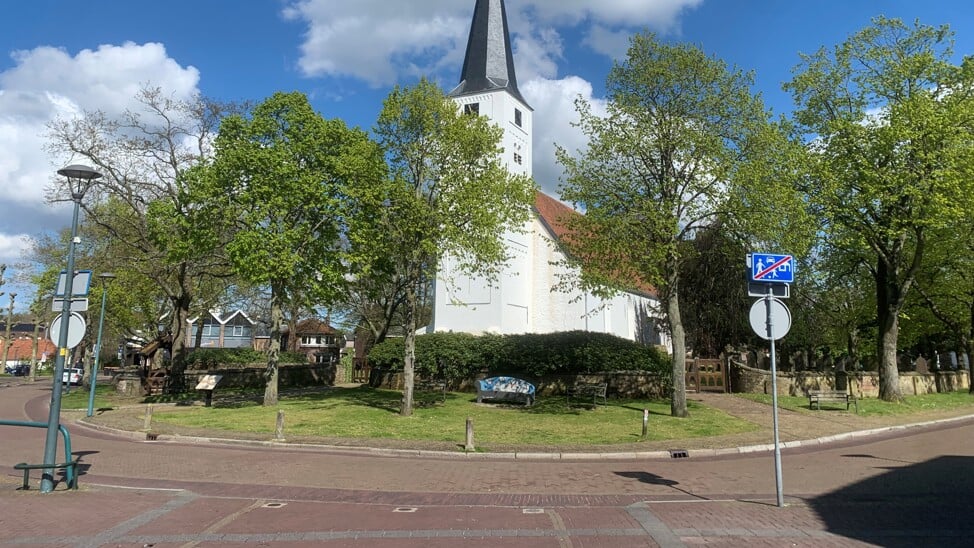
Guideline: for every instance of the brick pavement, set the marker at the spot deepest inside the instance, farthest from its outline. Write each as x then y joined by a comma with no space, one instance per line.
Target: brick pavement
879,490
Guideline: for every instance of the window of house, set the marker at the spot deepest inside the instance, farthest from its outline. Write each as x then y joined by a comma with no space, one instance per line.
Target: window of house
472,108
518,159
238,331
517,117
321,358
211,330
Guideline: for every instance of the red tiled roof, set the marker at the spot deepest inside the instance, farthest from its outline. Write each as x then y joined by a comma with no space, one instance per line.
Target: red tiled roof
20,349
314,326
555,215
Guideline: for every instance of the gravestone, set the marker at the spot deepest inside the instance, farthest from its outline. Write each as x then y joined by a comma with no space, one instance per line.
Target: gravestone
921,365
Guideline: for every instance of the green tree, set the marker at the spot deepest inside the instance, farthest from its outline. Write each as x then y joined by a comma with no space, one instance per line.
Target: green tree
887,118
144,156
448,194
277,187
684,144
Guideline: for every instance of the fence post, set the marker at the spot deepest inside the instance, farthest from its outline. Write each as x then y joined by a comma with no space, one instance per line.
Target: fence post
280,425
147,426
468,446
645,422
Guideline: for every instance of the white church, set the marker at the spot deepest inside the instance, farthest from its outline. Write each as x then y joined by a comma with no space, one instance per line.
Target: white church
524,299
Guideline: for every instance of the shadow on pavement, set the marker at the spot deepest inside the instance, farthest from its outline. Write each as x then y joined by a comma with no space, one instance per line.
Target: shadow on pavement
912,504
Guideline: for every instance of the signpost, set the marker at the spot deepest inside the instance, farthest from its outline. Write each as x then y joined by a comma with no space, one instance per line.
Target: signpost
771,320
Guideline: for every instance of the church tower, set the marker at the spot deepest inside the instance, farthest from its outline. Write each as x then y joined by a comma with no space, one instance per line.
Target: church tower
488,85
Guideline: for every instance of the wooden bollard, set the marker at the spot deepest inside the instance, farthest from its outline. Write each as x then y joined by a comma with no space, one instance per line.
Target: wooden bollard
468,446
147,426
645,422
280,425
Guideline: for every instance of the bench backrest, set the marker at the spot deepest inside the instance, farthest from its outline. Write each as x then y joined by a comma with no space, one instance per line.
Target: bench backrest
506,384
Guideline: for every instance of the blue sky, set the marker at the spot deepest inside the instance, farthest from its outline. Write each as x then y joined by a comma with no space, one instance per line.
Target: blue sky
62,57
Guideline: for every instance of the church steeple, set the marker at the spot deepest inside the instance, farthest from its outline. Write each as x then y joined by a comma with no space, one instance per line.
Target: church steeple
489,62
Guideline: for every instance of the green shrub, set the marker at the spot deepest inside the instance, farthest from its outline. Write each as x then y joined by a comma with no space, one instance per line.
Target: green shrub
461,355
214,358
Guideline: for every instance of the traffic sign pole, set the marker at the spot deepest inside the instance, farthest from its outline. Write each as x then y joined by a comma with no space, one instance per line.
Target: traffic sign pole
774,405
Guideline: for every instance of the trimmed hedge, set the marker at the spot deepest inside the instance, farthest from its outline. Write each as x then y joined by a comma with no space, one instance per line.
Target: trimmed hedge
462,356
214,358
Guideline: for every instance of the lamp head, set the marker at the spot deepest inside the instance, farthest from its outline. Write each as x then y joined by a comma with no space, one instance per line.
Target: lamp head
79,179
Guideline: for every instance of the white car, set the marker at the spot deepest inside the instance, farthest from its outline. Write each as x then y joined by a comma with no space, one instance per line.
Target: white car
73,375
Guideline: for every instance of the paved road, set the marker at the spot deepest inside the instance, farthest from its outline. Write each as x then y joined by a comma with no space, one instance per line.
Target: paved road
902,488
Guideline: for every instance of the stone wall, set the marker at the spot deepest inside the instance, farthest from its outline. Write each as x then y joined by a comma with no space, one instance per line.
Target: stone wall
862,383
302,375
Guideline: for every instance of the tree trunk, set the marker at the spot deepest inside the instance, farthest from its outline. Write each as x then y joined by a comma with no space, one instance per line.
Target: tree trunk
409,360
678,402
887,306
273,348
177,330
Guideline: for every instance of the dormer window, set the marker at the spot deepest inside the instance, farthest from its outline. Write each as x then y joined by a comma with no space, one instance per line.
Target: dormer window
472,108
517,117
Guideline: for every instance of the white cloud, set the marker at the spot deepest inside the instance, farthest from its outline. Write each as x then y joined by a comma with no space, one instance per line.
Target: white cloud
381,42
611,43
554,103
46,83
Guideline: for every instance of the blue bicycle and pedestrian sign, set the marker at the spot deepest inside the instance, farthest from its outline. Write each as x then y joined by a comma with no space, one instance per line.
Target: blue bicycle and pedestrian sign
769,268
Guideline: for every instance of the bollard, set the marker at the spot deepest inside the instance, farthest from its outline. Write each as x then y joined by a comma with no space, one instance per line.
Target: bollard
468,446
645,422
148,418
280,425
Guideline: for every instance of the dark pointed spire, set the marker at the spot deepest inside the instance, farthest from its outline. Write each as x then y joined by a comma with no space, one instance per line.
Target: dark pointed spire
489,63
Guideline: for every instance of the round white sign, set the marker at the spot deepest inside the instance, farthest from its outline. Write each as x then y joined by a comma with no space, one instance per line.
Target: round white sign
780,318
76,329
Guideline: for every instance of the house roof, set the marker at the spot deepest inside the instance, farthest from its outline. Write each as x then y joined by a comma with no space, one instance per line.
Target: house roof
489,62
216,316
21,349
554,215
314,326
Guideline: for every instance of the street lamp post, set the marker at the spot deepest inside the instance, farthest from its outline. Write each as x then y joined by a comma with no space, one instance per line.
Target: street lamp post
105,277
79,180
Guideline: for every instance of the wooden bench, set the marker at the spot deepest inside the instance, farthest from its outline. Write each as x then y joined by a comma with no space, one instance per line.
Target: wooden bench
816,397
70,468
438,387
505,388
594,390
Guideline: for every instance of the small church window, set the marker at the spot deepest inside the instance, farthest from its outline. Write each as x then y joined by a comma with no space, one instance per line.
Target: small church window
517,118
472,108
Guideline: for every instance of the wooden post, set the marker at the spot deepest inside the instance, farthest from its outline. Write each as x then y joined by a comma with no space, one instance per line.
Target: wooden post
468,446
280,425
148,418
645,422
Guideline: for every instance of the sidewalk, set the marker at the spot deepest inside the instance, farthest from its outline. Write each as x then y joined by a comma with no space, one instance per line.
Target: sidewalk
184,492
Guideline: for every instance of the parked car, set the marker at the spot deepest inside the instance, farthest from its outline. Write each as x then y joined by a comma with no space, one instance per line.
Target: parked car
73,375
19,370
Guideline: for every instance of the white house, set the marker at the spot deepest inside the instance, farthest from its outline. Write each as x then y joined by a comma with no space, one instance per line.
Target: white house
524,299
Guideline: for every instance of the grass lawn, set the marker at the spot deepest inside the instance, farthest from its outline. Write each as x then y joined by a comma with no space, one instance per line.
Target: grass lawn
373,413
875,406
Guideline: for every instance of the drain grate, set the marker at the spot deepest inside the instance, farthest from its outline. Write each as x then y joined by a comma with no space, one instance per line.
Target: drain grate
274,505
679,454
149,436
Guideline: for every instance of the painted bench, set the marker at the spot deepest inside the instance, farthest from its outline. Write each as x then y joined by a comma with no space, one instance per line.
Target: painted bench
505,388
